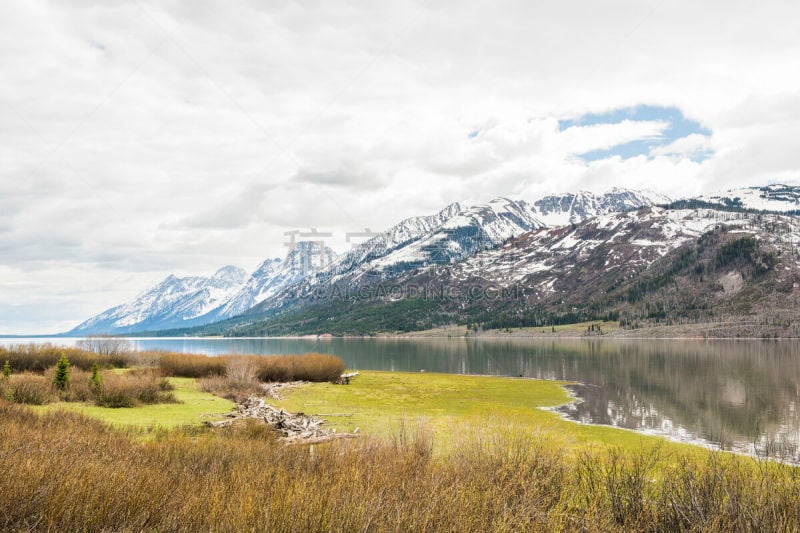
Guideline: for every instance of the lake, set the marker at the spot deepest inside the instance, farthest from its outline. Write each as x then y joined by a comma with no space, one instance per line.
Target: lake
733,395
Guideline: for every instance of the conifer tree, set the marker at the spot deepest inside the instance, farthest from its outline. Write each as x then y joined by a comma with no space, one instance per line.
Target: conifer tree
61,379
96,381
6,369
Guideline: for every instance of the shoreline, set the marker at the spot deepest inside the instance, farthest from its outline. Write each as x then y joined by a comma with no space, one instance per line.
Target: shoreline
323,336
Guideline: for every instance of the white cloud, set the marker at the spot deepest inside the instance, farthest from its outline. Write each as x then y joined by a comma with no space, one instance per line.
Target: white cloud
581,139
685,146
141,138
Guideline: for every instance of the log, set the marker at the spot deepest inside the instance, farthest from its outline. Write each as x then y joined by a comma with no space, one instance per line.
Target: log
297,427
344,379
272,389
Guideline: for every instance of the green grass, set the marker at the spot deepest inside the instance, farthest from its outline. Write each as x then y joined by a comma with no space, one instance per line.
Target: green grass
453,407
194,408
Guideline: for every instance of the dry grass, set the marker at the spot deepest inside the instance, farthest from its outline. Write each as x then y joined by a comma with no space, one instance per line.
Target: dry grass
244,368
117,390
231,376
64,472
37,389
40,357
315,367
308,367
132,388
32,389
189,365
239,382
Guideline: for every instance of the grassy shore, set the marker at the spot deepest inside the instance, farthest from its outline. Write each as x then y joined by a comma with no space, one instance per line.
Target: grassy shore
440,452
66,472
192,408
456,408
450,408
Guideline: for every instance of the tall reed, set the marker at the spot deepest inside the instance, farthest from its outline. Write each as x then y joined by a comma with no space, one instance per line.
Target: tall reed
39,357
271,368
64,472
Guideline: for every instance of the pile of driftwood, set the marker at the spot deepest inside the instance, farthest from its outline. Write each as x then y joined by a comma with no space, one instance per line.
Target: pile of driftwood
293,427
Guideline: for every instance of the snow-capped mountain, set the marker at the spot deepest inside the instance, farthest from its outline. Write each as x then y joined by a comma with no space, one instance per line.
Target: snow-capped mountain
723,270
174,302
571,208
396,237
625,227
779,198
444,238
193,301
456,233
302,261
472,229
630,241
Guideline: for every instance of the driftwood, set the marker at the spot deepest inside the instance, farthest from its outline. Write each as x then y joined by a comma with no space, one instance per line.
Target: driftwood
344,379
297,427
273,389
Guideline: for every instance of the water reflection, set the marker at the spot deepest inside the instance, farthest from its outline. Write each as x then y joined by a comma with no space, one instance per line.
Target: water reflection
739,395
732,394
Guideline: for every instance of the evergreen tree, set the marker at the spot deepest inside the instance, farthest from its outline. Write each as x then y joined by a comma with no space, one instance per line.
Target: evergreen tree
61,379
6,369
96,381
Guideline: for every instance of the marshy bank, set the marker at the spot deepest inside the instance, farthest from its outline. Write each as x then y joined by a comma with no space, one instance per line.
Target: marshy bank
63,471
438,452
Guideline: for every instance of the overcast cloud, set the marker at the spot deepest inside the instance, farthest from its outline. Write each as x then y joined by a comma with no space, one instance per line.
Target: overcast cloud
142,138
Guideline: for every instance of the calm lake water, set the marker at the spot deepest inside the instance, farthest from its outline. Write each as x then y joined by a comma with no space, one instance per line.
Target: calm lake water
735,395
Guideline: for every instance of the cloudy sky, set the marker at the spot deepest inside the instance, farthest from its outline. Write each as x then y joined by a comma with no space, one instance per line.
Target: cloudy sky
142,138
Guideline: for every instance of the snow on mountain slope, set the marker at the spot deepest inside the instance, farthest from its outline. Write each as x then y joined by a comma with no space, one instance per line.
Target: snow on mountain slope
397,236
627,242
304,260
472,229
174,302
485,226
453,234
570,208
779,198
459,234
445,238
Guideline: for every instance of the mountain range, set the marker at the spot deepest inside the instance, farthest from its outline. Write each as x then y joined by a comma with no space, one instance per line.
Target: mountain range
565,257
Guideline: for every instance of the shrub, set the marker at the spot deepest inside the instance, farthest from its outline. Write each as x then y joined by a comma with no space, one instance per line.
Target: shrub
79,389
239,381
309,367
148,358
243,368
105,344
132,388
191,365
40,357
214,384
116,349
61,379
101,480
28,388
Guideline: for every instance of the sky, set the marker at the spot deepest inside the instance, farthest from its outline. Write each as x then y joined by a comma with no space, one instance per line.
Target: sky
142,138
